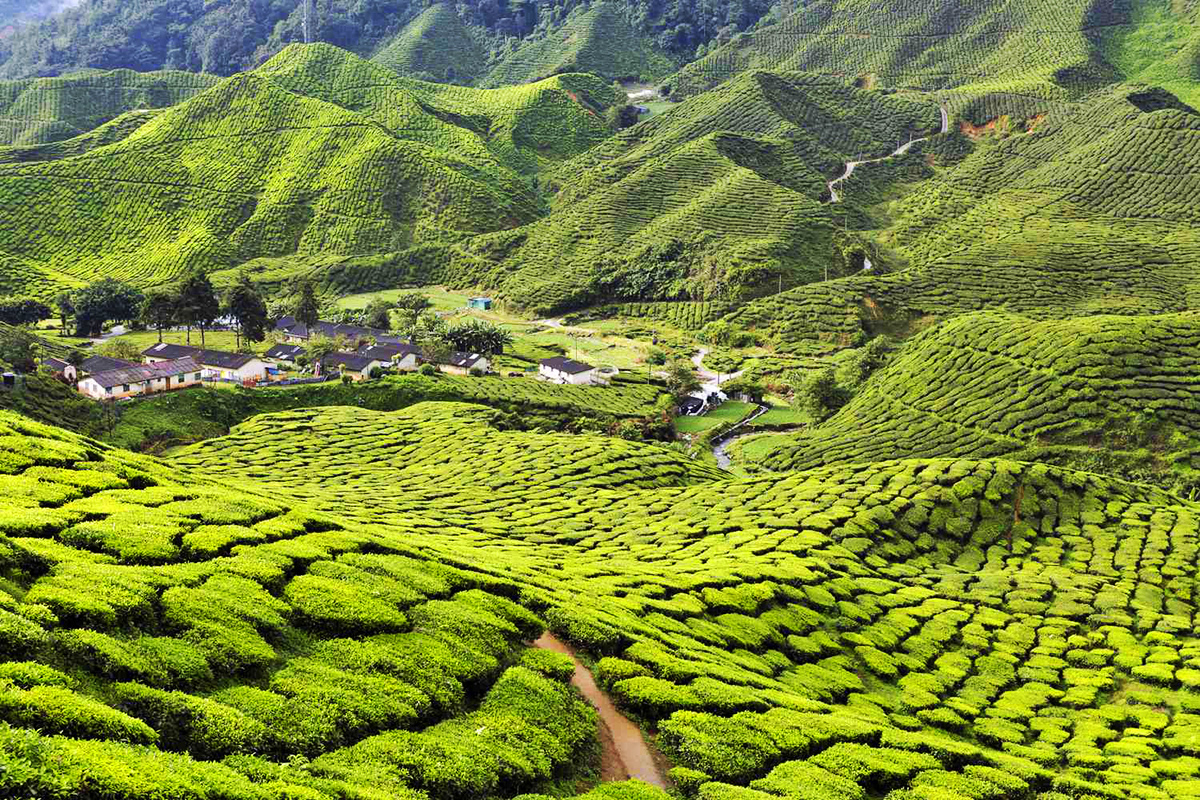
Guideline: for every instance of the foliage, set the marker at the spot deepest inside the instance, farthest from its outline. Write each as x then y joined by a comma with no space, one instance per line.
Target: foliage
198,303
306,309
17,348
245,304
681,379
99,303
820,395
478,336
160,309
23,311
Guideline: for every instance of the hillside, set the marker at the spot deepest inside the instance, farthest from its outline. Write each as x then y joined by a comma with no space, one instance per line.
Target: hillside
1081,215
722,193
222,38
1012,629
47,110
598,40
435,46
1124,382
274,163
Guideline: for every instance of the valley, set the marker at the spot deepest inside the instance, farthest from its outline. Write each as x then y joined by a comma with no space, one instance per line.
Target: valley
606,400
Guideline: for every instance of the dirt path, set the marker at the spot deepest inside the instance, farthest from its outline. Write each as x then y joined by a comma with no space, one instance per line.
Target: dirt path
834,197
624,752
712,382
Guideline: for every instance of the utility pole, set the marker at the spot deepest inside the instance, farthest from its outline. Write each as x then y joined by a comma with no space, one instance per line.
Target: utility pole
306,21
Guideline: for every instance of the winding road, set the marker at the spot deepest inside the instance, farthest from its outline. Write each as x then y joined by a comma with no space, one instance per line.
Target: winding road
834,197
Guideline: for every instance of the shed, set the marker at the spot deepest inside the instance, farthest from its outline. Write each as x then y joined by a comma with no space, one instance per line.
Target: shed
481,303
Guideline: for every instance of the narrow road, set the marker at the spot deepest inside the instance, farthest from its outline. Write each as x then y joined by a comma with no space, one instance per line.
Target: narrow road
624,753
834,197
711,381
719,449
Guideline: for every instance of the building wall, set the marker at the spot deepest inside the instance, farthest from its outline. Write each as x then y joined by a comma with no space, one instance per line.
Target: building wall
558,376
452,370
408,363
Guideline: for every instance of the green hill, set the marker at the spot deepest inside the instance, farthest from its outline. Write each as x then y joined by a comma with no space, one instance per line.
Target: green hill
437,45
1085,214
45,110
277,162
902,627
1109,394
598,40
722,194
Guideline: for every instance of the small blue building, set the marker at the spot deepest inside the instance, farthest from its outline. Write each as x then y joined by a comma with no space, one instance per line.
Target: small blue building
482,303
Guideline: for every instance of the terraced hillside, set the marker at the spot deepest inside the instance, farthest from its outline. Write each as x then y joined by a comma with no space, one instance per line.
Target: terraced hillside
1004,57
1091,212
437,45
932,628
43,110
596,39
1110,392
276,162
722,194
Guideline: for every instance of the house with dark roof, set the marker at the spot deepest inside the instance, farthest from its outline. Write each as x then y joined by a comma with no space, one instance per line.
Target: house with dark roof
358,367
89,365
217,364
463,363
405,357
297,332
284,352
139,379
563,370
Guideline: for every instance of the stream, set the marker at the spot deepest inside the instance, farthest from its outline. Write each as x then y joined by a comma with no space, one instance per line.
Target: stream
624,752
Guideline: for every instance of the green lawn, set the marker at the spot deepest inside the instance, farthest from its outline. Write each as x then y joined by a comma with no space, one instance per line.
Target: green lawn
213,340
781,416
730,411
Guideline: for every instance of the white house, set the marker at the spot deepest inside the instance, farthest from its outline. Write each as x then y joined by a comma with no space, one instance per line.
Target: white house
358,367
139,379
404,357
563,370
463,363
240,367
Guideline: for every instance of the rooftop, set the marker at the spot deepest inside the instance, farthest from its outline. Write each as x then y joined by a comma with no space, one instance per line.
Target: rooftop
566,365
140,373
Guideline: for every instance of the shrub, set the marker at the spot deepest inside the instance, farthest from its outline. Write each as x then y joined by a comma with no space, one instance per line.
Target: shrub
428,370
54,709
820,394
559,666
205,728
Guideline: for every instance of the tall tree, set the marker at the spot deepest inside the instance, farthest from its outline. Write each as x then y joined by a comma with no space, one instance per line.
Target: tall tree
198,304
23,310
17,345
66,308
246,305
307,310
378,314
103,301
160,310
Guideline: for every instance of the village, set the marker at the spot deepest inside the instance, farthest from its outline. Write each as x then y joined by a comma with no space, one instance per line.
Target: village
376,352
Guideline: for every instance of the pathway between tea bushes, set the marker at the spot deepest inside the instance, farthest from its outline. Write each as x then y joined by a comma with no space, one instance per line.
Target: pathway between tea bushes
899,151
625,753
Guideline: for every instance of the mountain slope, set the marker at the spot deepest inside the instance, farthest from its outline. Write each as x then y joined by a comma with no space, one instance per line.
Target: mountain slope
46,110
437,45
597,40
275,162
721,194
1088,213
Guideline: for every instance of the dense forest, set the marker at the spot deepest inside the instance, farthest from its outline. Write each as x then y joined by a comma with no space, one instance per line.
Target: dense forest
226,36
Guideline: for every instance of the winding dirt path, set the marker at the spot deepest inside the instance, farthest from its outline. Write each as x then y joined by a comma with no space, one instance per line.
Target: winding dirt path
834,197
625,753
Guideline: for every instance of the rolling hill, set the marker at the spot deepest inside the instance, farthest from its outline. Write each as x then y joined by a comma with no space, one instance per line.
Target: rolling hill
596,39
43,110
905,626
1110,394
437,45
275,162
1090,212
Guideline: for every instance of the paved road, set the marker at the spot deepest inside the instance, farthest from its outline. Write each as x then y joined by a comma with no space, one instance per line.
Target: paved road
834,197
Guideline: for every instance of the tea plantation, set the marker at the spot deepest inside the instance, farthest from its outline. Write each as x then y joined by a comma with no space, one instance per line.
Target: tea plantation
323,605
